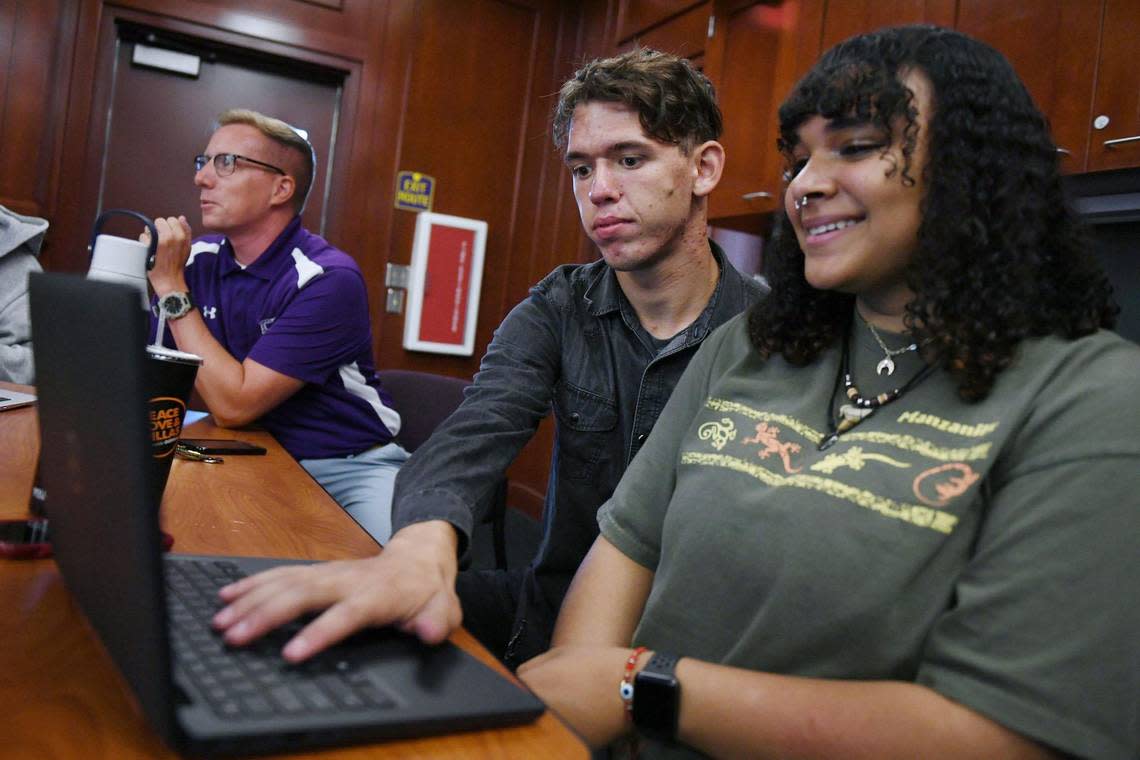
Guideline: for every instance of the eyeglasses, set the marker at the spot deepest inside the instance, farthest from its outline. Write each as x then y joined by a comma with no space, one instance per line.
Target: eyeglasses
225,163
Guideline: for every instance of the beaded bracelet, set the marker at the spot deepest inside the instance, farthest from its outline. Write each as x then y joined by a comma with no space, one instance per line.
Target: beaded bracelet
625,689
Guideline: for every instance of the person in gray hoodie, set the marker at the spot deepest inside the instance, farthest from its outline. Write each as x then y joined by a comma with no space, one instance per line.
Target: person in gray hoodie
20,240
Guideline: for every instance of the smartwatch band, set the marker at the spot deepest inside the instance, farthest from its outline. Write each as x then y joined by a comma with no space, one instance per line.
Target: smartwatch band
657,697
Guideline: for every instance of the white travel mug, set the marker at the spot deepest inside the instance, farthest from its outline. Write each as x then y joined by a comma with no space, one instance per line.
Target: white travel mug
116,259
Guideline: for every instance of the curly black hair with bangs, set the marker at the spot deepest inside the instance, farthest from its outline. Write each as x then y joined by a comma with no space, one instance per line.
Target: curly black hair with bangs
1000,255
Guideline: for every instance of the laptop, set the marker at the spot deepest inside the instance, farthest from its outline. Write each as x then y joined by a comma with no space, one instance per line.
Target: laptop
94,427
10,399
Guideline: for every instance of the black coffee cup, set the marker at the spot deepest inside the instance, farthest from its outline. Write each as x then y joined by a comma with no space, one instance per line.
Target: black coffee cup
170,378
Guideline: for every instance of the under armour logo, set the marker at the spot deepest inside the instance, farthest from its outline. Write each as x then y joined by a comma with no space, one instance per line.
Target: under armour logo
265,324
210,312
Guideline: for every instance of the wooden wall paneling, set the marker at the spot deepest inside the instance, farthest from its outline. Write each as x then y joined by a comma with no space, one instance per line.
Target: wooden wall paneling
685,35
850,17
1117,93
79,187
597,27
637,16
595,38
35,61
497,164
585,31
474,117
369,213
8,16
550,239
1053,46
549,234
464,116
537,167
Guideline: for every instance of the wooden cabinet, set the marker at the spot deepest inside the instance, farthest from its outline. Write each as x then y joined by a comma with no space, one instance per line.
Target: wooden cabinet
1052,44
1116,98
1078,60
851,17
752,52
680,28
756,53
634,17
1075,56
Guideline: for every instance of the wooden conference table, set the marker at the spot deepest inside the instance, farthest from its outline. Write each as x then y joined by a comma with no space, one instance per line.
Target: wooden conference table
60,695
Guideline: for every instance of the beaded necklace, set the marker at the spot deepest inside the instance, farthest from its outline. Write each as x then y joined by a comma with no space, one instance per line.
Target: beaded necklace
860,408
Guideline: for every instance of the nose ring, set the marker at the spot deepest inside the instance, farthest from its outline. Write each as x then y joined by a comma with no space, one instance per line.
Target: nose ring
800,203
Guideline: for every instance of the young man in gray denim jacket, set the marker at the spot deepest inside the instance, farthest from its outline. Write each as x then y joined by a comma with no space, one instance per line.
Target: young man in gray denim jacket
603,344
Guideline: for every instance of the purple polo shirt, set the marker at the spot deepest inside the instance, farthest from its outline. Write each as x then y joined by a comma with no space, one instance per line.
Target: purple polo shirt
301,309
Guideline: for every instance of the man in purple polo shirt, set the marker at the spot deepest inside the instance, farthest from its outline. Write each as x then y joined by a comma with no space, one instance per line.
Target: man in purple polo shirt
279,316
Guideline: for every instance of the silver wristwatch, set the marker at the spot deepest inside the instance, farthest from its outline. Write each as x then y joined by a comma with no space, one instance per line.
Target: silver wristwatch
175,305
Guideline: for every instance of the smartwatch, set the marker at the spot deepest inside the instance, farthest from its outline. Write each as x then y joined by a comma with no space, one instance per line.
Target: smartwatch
174,305
657,698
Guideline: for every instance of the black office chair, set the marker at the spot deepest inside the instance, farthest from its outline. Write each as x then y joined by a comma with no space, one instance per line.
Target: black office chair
424,400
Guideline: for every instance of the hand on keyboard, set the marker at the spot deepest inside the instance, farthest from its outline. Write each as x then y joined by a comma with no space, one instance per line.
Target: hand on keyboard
410,585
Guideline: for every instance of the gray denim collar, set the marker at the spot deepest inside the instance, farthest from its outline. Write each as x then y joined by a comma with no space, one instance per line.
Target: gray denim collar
605,294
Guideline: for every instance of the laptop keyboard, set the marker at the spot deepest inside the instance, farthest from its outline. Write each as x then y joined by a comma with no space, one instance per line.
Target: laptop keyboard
253,681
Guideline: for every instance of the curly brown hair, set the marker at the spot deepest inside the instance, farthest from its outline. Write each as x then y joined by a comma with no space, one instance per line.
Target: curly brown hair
1000,255
675,103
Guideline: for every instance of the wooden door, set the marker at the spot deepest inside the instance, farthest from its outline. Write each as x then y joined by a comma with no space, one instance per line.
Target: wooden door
157,121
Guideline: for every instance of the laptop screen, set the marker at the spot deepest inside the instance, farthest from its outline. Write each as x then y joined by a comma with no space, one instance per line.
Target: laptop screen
90,359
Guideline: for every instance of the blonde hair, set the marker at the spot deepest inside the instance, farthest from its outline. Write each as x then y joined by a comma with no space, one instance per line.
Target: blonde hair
285,136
